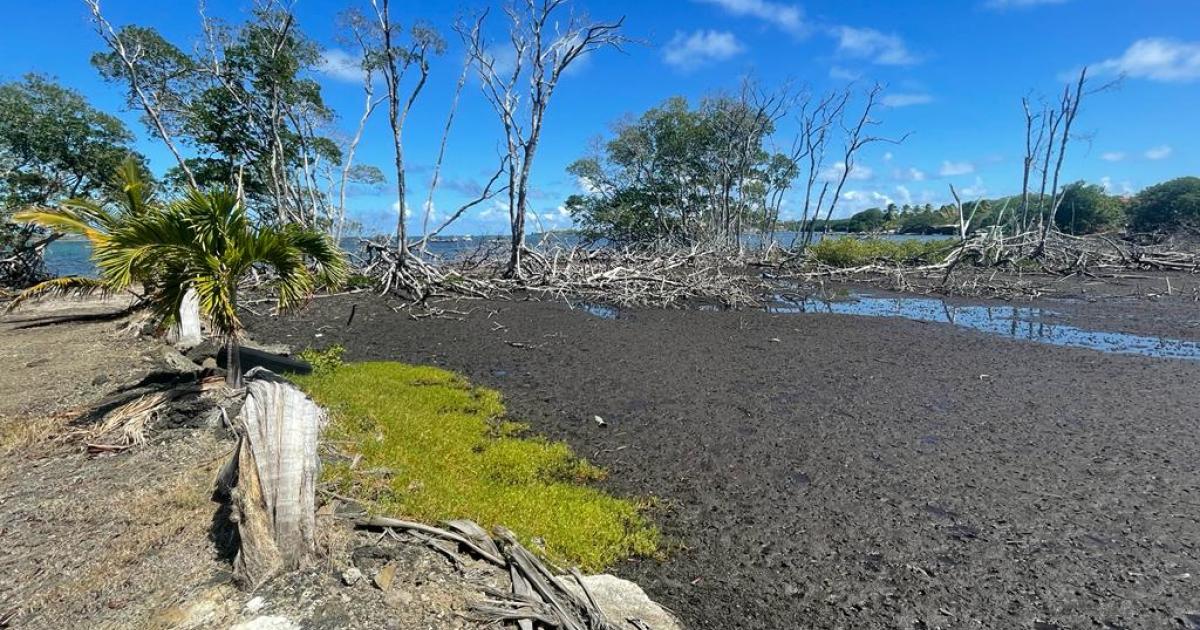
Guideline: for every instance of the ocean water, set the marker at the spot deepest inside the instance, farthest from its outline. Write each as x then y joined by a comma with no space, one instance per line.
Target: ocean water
72,258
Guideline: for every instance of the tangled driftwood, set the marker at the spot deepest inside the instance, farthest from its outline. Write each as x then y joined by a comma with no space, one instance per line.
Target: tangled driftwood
539,597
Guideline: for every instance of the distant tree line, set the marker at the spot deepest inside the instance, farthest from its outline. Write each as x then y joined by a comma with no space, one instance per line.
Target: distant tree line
1084,209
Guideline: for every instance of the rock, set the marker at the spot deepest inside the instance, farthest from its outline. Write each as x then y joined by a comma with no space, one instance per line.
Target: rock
622,600
384,578
102,379
255,604
176,361
209,364
351,576
267,622
270,348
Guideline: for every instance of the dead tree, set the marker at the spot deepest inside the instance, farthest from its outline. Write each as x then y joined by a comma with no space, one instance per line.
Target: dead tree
130,54
1068,109
542,52
395,60
810,145
855,139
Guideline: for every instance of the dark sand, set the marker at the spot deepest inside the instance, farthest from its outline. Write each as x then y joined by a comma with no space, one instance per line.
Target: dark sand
843,472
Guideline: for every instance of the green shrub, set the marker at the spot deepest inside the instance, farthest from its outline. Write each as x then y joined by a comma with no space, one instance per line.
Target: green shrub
323,361
448,453
856,252
1167,205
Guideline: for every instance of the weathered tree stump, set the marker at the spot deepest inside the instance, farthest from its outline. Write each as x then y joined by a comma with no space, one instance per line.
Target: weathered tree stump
186,333
274,471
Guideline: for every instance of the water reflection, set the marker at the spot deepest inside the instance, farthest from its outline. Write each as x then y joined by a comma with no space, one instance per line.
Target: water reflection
1029,323
599,310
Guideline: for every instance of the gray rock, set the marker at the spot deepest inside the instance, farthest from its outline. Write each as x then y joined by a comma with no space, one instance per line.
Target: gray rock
176,361
267,622
622,600
273,348
351,576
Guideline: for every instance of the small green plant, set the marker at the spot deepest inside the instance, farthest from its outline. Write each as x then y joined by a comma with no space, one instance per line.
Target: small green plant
447,452
855,252
323,361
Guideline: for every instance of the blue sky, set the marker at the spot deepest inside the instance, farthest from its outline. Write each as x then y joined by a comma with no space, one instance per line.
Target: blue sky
955,71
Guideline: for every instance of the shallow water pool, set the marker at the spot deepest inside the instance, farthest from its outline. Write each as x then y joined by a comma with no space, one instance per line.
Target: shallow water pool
1018,322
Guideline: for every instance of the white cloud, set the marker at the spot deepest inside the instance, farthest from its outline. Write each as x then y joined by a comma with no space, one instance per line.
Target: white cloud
1158,153
338,64
844,74
787,17
975,190
1018,4
877,47
1157,59
1123,188
954,169
905,99
887,157
688,52
858,173
904,194
1112,156
916,175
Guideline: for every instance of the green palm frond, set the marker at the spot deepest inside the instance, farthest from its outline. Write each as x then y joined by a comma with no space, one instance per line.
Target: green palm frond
138,195
75,286
61,220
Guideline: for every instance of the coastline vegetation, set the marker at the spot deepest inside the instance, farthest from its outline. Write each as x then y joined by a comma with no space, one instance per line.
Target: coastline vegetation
425,444
849,251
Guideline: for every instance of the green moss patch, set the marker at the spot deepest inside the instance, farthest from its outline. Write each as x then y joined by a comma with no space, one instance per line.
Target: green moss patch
431,447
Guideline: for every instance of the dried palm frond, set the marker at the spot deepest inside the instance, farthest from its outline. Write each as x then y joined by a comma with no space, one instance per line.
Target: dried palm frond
66,286
126,426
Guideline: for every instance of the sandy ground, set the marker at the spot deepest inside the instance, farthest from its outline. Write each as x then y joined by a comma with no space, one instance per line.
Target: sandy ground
842,472
135,540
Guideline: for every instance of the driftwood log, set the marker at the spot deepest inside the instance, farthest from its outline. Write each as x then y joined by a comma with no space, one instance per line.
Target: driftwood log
540,597
271,480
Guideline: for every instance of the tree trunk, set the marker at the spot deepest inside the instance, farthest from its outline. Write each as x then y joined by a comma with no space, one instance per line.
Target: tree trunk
233,364
187,333
274,495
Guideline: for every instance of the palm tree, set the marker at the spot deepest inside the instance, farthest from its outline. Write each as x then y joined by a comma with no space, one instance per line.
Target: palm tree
93,221
207,243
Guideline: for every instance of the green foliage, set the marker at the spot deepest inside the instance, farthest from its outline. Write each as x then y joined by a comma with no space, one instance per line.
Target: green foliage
856,252
451,455
207,242
1087,209
682,173
249,118
1169,205
54,144
324,361
870,220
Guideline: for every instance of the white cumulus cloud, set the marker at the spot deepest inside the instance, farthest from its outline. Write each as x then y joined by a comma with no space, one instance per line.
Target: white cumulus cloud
906,99
1156,59
690,51
1112,156
1158,153
787,17
877,47
954,169
338,64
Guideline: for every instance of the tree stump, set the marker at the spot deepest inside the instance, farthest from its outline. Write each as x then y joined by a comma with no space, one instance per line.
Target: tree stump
186,333
276,467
